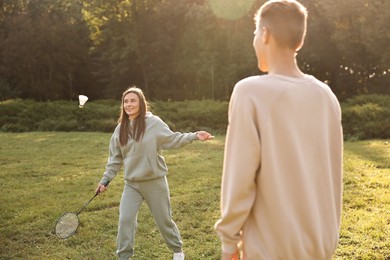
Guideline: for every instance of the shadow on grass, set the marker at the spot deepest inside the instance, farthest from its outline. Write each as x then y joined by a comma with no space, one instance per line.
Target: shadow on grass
375,151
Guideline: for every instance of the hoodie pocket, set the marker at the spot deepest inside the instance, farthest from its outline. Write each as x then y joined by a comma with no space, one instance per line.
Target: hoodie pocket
138,168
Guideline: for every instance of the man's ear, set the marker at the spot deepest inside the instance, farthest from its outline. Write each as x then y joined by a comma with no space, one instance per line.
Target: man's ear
265,34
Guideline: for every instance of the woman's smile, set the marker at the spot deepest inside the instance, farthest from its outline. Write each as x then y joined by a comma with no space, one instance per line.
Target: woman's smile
131,105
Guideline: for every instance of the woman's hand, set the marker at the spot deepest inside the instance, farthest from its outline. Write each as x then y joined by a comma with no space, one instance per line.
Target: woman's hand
204,136
101,188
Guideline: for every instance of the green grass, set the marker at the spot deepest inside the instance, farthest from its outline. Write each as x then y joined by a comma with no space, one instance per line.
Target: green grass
365,232
45,174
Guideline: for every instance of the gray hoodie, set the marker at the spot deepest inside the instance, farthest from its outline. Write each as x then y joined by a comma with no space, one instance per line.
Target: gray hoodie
143,160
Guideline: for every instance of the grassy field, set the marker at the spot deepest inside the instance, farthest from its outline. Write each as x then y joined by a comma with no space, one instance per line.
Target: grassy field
45,174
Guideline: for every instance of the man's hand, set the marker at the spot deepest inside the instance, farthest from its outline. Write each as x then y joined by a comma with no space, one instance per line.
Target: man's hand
227,256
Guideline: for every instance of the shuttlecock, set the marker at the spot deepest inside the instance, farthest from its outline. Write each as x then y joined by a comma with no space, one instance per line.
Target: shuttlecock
82,100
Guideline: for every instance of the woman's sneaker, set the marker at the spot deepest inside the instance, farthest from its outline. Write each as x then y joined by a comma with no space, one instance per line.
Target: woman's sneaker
178,256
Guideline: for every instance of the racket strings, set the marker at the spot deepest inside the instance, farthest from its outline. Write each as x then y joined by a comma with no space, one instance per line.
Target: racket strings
67,225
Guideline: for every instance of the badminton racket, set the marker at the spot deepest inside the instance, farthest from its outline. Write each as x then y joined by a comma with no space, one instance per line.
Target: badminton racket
68,223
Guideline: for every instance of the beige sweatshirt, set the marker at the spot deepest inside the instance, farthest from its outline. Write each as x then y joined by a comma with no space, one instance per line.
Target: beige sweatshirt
282,175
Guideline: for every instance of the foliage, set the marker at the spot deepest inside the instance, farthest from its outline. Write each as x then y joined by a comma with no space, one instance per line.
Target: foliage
6,92
193,115
360,40
27,115
102,115
45,45
364,117
46,174
179,49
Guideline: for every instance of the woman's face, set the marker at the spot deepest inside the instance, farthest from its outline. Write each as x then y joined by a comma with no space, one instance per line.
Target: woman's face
131,105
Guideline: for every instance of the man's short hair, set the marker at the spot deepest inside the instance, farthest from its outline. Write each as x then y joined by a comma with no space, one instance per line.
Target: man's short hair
286,21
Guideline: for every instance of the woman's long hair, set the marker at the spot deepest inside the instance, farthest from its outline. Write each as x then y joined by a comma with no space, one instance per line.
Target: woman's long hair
137,130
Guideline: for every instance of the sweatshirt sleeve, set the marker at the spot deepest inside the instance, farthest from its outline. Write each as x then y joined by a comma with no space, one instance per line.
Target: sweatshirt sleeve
168,139
115,158
241,163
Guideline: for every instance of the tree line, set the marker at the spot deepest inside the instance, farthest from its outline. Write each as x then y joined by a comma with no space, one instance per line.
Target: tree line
178,49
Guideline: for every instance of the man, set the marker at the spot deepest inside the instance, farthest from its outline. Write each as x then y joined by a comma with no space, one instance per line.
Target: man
281,192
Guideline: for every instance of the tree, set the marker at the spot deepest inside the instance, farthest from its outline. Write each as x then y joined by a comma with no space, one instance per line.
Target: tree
178,49
361,37
44,47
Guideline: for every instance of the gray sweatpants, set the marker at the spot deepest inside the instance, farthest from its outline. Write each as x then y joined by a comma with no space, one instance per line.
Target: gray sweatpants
156,194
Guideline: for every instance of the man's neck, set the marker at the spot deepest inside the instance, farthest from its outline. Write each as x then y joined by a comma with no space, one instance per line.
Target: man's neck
284,63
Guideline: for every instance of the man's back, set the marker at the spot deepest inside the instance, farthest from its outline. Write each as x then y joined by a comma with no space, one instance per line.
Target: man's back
282,177
283,168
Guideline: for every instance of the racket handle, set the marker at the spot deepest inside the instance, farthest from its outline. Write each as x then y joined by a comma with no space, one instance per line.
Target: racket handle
97,193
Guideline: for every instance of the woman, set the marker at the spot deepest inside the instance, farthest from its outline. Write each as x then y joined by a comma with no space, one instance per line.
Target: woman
136,144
